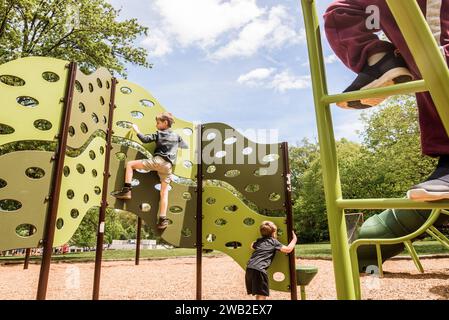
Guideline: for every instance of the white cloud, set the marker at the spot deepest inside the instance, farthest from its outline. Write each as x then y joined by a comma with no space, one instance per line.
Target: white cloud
203,21
253,78
268,78
158,44
222,28
330,59
287,81
273,30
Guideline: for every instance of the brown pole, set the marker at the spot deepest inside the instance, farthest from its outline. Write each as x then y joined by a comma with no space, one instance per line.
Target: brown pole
139,235
26,262
289,209
59,156
199,215
104,203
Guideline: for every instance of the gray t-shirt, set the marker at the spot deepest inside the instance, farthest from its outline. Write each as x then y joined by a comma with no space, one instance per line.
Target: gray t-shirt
264,251
167,143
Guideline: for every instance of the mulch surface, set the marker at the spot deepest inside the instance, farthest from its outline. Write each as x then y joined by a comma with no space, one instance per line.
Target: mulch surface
223,279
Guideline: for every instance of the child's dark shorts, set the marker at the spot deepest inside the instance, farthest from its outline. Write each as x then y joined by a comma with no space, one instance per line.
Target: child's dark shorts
257,282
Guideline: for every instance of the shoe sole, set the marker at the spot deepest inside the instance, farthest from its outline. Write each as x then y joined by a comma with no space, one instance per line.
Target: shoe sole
424,195
390,78
122,197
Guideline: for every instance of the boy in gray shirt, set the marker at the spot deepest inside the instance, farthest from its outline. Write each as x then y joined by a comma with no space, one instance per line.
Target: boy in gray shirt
164,157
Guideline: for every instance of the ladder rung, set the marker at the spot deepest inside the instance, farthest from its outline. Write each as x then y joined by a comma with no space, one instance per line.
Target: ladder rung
403,88
389,204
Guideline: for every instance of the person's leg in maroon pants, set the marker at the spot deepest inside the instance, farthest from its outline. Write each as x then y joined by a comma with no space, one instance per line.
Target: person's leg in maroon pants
355,44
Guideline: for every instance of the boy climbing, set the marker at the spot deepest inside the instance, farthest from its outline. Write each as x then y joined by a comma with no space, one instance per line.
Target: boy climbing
381,63
164,157
265,249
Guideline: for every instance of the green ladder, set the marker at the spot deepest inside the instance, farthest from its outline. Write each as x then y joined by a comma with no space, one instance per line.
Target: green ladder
435,74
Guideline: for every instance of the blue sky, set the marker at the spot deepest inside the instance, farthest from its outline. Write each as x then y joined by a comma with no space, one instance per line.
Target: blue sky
241,62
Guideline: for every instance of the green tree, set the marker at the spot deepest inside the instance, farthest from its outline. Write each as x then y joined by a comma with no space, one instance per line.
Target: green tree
86,31
310,205
301,158
392,160
385,165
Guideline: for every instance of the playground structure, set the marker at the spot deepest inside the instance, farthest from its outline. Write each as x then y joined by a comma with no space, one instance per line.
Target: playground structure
65,140
79,126
435,74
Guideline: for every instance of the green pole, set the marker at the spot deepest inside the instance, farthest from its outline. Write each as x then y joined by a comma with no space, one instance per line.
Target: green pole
426,53
303,293
332,187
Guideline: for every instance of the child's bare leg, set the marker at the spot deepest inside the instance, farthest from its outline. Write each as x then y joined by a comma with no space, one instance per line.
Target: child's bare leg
163,202
261,297
130,167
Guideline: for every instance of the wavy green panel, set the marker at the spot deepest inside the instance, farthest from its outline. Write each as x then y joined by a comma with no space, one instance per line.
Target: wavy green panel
259,181
90,106
182,199
31,192
236,230
48,95
137,105
83,181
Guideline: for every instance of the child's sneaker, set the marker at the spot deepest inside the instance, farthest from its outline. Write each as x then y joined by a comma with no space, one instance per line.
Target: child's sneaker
124,194
436,187
163,223
391,69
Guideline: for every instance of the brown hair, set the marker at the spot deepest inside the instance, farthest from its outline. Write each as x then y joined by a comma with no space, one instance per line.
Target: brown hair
267,228
166,116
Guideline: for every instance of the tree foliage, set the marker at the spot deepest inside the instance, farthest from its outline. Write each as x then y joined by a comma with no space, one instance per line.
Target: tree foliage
384,165
86,31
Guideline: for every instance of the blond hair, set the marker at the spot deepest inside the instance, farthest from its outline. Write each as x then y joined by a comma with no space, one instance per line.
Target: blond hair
166,116
268,229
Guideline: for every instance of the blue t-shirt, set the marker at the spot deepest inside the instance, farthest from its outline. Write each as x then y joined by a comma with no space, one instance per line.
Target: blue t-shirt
264,251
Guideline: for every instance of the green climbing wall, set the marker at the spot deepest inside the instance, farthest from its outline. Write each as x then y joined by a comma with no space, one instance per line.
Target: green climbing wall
31,91
181,199
84,160
30,192
255,171
231,227
136,105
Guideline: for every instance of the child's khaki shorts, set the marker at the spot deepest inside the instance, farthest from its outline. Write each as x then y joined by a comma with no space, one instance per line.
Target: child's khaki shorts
162,166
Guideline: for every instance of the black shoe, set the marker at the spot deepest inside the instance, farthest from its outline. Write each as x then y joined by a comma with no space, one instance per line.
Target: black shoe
436,187
124,194
390,70
163,223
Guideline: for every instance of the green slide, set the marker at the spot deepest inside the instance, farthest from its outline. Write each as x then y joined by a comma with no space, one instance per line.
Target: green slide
390,224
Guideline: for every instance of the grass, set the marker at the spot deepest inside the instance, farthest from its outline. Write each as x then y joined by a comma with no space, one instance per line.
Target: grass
323,250
111,255
307,251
